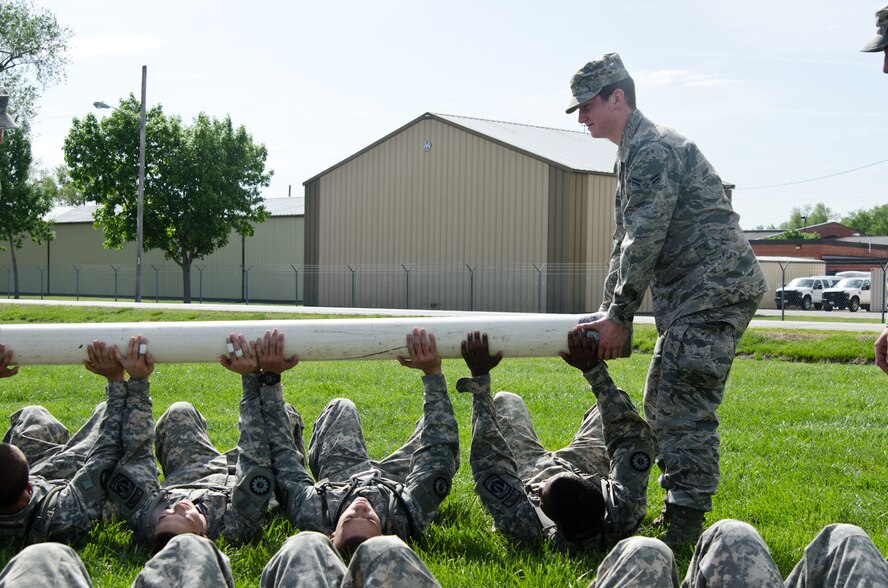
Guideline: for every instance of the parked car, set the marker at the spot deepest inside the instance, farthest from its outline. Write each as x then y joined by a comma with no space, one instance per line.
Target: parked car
805,292
850,293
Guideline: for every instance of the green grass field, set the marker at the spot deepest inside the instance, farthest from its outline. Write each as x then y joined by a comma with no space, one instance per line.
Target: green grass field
804,442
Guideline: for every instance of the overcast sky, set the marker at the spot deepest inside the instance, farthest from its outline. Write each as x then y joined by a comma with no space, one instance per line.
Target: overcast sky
773,92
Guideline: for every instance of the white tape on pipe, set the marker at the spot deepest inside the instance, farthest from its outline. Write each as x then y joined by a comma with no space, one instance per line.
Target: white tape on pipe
516,335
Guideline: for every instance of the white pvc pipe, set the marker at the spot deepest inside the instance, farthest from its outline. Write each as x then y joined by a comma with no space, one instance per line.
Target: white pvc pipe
515,335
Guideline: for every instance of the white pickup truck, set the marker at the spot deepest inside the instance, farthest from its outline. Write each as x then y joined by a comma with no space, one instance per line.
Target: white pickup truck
850,293
804,292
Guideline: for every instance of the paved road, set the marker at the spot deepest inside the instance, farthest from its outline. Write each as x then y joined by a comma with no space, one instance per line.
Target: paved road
852,320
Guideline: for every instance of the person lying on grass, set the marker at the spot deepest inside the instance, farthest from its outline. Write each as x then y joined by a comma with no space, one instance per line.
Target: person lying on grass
589,494
355,497
67,497
201,493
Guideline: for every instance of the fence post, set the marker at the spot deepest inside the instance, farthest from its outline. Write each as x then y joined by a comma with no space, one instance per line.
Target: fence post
156,282
407,269
115,279
247,284
472,286
884,287
77,281
783,266
200,282
296,288
353,270
539,269
41,279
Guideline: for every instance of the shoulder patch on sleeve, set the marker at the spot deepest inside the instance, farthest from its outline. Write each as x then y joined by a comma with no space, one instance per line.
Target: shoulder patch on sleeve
260,485
641,462
501,490
442,487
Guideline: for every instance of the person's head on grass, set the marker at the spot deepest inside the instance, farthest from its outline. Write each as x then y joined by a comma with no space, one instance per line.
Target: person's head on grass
15,487
357,523
575,505
178,519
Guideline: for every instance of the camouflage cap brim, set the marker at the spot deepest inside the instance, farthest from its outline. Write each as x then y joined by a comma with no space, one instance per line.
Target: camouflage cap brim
595,75
880,43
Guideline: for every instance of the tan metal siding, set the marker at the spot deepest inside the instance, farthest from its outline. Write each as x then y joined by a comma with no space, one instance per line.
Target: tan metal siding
461,202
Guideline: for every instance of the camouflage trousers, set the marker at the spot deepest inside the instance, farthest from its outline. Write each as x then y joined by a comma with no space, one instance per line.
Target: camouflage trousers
337,448
640,562
187,561
45,564
184,449
309,559
684,388
47,444
731,554
586,452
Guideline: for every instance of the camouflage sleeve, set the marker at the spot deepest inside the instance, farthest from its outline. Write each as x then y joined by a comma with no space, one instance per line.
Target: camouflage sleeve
293,484
630,448
72,511
494,469
135,483
254,481
613,267
436,459
649,195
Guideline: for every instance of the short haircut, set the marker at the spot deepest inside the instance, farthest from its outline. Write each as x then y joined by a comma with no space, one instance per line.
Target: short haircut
628,87
15,470
350,545
161,540
575,504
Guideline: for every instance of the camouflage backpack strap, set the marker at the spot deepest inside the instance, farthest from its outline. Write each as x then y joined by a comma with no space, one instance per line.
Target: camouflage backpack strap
569,466
397,496
322,488
40,519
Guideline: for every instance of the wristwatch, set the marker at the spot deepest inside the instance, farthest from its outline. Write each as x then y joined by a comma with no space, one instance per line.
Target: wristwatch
269,378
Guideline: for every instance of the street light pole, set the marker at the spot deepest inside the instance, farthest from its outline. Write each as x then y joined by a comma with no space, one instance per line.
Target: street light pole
141,189
139,207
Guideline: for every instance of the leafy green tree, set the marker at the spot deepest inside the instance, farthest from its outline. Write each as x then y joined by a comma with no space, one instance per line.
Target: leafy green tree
22,209
201,181
872,222
814,215
793,234
57,186
33,53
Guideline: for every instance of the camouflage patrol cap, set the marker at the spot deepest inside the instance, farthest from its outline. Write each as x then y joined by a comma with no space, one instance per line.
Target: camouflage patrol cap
880,42
5,121
595,75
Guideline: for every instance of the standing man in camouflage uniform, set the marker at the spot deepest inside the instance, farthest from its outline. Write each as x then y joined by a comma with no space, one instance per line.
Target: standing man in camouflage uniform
200,494
879,43
309,559
34,509
732,553
676,234
591,493
356,498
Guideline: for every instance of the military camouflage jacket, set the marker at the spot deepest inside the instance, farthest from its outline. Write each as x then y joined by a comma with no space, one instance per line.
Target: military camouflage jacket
403,509
65,510
234,503
515,506
675,231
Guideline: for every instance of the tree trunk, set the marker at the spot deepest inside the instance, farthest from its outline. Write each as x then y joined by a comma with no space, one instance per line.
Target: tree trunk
186,281
15,271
